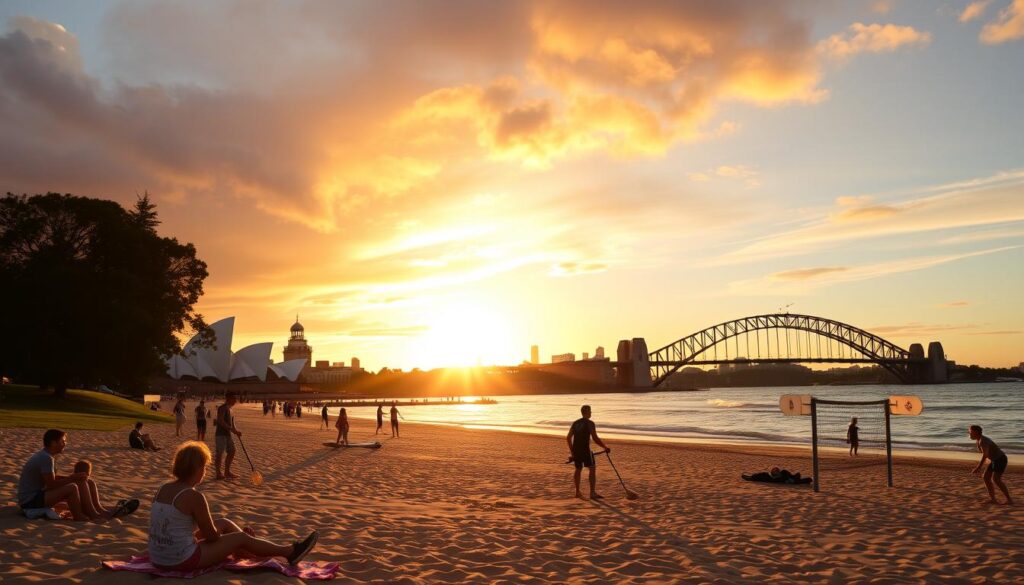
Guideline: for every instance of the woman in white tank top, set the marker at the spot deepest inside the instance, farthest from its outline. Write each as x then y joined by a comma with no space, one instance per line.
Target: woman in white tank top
179,510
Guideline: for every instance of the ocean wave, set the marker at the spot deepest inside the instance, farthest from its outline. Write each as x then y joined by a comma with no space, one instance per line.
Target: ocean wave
723,403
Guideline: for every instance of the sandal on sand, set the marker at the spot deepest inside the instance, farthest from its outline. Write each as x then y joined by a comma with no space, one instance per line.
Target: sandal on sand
301,549
125,507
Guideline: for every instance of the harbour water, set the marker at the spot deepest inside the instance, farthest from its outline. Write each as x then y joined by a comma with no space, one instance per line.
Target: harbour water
748,415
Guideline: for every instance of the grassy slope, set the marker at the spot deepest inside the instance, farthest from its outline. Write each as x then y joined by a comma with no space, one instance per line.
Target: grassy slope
28,406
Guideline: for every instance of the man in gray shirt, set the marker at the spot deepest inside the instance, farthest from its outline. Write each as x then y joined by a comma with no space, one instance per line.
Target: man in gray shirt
41,487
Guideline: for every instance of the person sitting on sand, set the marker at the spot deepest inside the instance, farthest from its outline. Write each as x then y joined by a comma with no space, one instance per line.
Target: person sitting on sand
853,436
996,466
183,536
342,425
40,487
225,443
139,440
578,439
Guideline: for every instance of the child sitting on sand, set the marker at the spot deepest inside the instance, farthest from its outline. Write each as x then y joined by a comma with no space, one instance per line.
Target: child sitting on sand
181,512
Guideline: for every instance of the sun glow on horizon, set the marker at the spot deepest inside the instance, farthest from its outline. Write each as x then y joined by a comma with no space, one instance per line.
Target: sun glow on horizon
464,334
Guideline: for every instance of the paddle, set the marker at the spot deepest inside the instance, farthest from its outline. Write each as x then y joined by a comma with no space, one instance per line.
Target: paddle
255,477
630,494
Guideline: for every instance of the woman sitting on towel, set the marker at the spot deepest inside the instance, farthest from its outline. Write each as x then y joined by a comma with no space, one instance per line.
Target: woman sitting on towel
183,536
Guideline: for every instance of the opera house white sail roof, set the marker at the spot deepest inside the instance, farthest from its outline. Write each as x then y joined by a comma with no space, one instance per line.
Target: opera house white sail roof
222,364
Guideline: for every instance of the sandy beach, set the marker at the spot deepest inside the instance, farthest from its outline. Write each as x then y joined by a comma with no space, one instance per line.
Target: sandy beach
451,505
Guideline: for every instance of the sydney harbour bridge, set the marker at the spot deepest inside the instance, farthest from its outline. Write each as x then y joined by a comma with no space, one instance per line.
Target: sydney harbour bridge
780,338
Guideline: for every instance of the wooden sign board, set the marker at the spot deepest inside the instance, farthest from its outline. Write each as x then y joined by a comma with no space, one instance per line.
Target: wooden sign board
151,398
795,404
905,405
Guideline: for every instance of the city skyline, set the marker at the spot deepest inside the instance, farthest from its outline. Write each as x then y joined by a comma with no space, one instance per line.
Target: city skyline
452,185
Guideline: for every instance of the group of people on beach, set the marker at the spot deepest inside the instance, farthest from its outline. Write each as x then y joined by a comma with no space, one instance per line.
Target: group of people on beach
183,535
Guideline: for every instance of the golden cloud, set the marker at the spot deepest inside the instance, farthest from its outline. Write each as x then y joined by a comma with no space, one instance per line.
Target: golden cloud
974,10
1008,26
872,38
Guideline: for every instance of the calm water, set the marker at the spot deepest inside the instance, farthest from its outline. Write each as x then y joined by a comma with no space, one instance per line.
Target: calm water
749,414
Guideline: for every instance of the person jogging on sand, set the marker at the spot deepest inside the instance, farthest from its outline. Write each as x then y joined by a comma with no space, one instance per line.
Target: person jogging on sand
996,466
578,439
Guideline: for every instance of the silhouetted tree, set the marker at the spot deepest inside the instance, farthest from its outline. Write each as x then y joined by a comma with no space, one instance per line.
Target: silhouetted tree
90,293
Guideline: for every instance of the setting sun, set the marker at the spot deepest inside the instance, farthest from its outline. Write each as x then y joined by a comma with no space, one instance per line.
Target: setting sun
467,334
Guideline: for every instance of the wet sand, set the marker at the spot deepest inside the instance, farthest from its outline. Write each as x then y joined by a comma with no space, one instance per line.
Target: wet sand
450,505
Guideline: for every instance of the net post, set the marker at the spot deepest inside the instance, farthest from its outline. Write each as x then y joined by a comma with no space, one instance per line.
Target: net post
814,441
888,443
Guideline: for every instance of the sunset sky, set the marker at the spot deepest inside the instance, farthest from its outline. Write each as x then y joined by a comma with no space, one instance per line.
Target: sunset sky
446,183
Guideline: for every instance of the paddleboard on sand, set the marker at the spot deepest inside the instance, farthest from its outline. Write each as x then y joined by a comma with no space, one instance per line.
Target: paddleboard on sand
373,445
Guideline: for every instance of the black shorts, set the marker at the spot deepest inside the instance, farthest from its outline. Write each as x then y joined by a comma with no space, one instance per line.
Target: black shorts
201,424
37,501
581,460
998,465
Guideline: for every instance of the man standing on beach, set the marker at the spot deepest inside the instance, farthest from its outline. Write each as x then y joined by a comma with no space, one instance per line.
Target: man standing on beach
380,417
225,443
40,487
578,439
394,419
996,466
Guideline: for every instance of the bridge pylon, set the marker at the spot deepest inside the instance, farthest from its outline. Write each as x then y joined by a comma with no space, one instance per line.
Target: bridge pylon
633,369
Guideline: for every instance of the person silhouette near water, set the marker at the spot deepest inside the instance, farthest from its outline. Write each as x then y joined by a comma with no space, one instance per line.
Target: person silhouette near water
853,436
996,466
380,418
578,439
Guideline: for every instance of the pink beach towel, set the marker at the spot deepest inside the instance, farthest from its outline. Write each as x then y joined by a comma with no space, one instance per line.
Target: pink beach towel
307,570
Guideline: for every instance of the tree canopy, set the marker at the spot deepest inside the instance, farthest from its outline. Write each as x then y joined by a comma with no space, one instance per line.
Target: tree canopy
91,293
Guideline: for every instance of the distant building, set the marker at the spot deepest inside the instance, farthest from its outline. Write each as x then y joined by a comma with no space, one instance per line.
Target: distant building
586,356
563,357
599,353
534,354
1021,367
297,347
355,365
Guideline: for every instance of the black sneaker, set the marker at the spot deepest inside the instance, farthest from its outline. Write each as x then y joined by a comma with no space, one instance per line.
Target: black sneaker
302,548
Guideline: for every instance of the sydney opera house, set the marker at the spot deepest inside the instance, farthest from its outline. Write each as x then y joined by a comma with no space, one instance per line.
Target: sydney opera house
220,364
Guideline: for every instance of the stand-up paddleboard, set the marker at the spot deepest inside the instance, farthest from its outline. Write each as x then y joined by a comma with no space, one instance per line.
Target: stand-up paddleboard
905,405
371,445
795,404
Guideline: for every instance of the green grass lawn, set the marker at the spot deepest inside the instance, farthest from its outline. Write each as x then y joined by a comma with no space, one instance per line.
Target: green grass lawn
28,406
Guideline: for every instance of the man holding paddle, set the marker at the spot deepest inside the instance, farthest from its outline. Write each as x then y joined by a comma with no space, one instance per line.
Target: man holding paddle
579,448
225,428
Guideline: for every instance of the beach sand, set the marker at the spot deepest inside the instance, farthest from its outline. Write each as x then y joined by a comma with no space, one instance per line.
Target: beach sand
451,505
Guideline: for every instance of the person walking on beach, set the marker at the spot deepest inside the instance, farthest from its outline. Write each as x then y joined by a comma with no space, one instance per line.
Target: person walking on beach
394,419
380,418
201,413
996,466
578,439
324,418
853,436
342,425
183,536
179,415
225,443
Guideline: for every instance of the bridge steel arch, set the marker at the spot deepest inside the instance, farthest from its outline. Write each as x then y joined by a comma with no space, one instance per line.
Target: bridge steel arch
667,360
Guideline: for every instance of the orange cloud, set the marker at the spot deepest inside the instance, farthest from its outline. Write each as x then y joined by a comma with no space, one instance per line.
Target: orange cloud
1008,26
974,10
872,38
